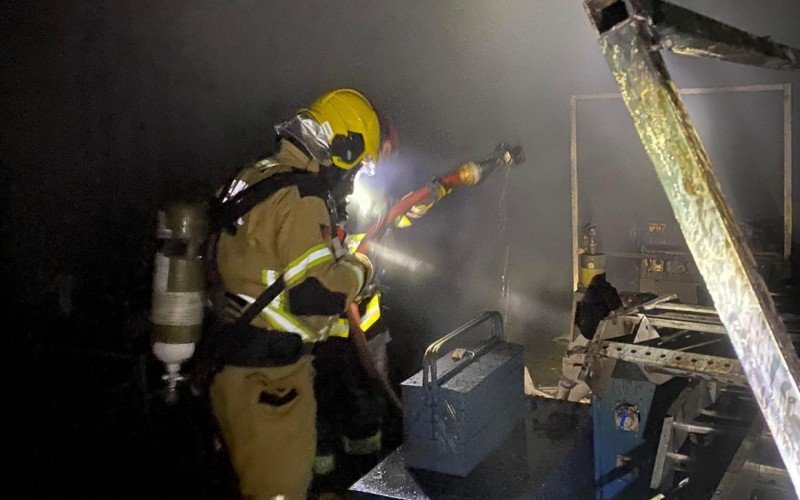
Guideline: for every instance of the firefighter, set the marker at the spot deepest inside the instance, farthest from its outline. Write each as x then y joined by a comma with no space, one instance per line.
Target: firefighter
351,406
263,399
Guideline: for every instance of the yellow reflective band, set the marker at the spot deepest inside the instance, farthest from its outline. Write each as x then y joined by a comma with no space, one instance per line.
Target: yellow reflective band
340,329
287,322
282,321
298,268
268,277
353,240
402,222
373,312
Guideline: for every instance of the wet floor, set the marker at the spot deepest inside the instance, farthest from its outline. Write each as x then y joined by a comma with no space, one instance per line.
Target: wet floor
548,455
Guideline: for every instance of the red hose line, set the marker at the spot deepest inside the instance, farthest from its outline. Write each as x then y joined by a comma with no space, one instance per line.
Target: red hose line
357,336
450,180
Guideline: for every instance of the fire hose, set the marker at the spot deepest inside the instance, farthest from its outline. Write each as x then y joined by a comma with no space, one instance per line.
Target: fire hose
468,174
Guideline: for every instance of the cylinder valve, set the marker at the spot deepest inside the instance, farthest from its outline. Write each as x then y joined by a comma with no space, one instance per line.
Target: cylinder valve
592,262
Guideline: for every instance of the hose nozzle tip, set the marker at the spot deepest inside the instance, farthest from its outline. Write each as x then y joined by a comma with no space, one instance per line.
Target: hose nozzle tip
509,155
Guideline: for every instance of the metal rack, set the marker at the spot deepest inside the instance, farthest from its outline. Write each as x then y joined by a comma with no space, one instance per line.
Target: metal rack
666,339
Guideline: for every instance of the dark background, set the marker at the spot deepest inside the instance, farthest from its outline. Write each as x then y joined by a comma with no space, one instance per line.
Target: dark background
110,109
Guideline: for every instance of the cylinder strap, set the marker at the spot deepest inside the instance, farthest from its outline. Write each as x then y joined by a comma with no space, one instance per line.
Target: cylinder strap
177,308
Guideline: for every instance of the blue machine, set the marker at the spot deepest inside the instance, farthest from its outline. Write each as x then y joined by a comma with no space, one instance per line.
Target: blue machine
619,419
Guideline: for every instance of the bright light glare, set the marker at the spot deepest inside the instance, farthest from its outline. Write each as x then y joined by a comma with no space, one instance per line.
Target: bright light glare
363,198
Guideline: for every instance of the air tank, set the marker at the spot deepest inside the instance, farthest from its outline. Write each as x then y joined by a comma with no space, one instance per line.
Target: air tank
179,284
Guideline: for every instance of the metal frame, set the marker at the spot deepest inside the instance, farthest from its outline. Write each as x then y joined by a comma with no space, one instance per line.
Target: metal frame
785,89
672,362
744,473
662,355
730,486
787,171
661,322
686,32
676,428
684,319
768,359
693,317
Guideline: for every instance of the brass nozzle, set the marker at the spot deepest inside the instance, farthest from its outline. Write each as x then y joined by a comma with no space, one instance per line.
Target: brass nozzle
469,174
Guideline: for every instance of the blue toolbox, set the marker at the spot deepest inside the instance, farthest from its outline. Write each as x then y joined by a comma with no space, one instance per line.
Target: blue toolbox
462,405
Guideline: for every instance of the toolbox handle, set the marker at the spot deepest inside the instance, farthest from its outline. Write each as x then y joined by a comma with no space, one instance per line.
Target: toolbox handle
429,375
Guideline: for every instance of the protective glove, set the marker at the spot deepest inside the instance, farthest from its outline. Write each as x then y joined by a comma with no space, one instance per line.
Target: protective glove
362,260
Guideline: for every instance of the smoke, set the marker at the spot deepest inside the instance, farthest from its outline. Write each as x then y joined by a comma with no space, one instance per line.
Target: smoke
113,111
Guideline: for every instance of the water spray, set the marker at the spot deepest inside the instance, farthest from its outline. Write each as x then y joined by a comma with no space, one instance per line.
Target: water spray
416,204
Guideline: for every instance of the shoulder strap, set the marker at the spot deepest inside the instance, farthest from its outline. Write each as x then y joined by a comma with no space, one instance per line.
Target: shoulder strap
261,302
223,215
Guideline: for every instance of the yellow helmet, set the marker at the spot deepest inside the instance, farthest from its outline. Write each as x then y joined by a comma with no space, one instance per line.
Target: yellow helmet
350,125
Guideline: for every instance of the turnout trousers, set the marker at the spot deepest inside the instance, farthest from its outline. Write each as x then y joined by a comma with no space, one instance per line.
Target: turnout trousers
267,417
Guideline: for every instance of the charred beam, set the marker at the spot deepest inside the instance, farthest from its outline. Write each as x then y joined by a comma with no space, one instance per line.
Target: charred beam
686,32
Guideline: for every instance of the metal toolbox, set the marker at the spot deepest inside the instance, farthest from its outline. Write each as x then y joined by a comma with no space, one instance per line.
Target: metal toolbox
462,405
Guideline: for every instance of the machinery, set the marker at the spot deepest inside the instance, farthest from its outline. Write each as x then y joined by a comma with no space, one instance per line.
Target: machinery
671,406
756,350
666,266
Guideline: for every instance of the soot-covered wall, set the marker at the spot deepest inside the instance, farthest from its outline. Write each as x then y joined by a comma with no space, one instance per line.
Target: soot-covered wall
112,108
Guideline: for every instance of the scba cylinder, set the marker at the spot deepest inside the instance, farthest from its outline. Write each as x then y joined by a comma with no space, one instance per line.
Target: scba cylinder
179,280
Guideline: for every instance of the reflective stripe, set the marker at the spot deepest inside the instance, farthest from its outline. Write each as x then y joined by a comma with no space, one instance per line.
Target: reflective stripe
342,326
340,329
312,257
372,313
402,222
235,188
288,323
282,320
268,277
353,240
